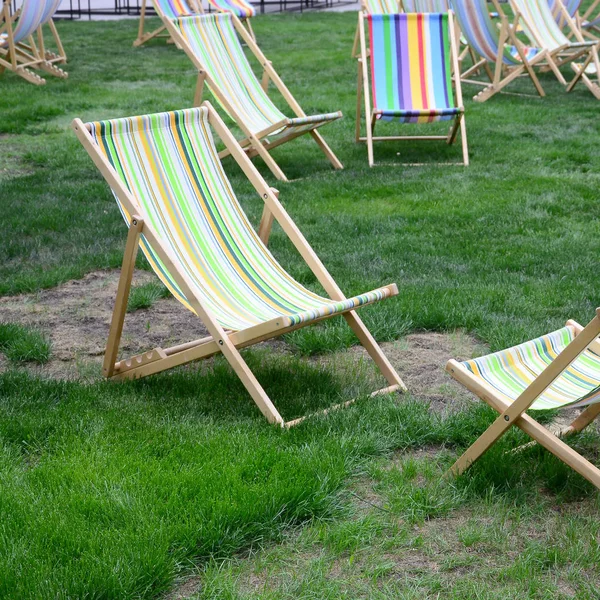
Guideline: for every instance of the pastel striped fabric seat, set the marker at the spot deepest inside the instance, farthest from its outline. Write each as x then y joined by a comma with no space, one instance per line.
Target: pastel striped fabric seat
510,371
541,27
214,41
239,8
29,19
411,67
381,7
572,7
482,33
170,165
426,6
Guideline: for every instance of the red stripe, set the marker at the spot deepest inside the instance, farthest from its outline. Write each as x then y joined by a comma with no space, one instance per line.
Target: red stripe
372,54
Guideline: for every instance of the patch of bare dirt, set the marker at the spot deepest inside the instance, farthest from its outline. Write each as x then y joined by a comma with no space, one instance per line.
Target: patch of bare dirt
76,316
186,589
421,358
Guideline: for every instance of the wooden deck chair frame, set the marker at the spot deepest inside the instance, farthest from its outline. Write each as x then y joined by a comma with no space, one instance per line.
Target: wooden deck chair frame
516,412
364,90
219,341
195,5
51,57
501,76
20,57
564,54
254,144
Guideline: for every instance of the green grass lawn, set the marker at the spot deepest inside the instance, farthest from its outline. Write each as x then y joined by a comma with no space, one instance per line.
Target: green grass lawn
115,491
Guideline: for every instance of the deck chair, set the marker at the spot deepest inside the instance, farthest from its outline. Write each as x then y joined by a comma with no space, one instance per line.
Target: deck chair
498,46
170,185
212,44
589,21
410,56
173,9
540,26
19,52
558,370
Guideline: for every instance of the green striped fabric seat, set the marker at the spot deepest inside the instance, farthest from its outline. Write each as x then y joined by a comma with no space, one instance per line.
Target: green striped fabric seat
170,165
214,41
511,371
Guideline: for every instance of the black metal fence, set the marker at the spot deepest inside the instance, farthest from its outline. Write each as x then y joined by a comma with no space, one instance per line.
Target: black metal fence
87,9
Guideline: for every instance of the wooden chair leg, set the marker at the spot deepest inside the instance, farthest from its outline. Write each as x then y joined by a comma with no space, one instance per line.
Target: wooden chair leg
264,154
116,326
585,418
370,128
266,221
333,159
358,99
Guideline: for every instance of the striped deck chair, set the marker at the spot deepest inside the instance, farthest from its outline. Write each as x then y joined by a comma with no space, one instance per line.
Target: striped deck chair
213,46
498,46
165,166
173,9
558,370
19,52
540,26
411,56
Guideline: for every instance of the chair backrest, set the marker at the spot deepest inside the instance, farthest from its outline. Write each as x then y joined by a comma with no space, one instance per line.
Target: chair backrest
51,6
172,9
215,43
381,7
411,66
170,165
29,19
540,25
426,6
240,8
480,31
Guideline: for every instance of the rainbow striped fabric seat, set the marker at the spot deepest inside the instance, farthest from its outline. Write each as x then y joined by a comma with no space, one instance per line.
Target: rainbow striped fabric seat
511,371
171,167
214,41
411,67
